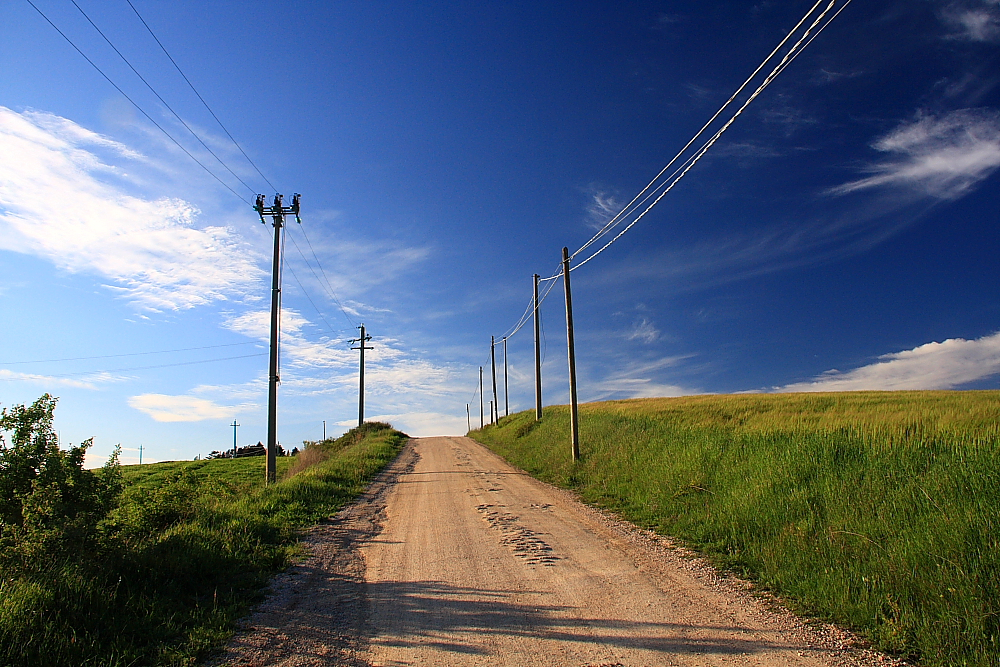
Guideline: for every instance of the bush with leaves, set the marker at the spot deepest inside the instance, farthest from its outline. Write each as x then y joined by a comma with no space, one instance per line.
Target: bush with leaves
50,506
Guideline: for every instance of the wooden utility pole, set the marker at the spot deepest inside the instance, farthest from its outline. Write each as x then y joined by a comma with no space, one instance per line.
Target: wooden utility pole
235,426
277,213
538,360
506,403
324,429
140,454
481,424
361,389
493,367
573,407
468,417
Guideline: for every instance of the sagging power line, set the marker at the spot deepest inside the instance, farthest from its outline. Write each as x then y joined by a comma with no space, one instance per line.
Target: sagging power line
816,20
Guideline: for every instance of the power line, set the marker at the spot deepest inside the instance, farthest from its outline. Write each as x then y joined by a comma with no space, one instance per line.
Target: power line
144,368
328,286
181,72
133,102
159,97
129,354
688,164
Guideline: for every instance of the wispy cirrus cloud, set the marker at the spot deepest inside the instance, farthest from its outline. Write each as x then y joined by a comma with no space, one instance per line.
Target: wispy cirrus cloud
946,365
68,198
943,157
977,21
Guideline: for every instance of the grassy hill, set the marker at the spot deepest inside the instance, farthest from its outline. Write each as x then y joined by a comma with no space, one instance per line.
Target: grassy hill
184,551
878,510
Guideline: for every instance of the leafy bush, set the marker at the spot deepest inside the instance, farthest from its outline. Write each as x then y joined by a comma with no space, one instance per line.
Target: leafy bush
50,507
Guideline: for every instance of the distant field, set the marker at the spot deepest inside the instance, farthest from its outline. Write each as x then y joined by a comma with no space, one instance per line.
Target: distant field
183,555
879,510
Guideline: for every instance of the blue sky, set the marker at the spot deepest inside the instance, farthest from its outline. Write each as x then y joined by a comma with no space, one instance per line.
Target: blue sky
842,234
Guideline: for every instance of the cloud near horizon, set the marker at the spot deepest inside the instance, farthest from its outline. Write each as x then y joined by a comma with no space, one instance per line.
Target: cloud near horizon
164,408
945,365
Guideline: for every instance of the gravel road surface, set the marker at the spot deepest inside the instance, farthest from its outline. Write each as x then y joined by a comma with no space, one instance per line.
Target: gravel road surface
455,558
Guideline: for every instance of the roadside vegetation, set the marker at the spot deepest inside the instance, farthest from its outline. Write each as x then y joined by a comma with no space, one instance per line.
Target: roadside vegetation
152,564
876,510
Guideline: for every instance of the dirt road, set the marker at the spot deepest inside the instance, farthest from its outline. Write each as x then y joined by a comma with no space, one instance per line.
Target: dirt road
455,558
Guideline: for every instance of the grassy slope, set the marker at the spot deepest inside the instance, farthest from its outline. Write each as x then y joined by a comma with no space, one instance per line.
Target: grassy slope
879,510
190,547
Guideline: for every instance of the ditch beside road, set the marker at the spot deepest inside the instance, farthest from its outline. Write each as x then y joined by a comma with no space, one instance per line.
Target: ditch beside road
453,557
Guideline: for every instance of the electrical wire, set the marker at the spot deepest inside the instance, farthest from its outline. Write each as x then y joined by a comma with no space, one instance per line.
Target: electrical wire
329,286
610,224
139,108
129,354
195,90
159,97
143,368
691,161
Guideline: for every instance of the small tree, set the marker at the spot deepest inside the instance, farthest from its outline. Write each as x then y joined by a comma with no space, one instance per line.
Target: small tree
49,504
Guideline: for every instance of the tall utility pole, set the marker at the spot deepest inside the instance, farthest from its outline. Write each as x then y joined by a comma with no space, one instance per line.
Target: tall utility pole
277,213
538,360
493,365
140,454
235,426
361,390
324,429
481,424
506,403
468,417
574,428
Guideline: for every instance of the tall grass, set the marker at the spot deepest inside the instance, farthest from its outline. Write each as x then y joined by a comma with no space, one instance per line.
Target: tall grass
186,553
878,510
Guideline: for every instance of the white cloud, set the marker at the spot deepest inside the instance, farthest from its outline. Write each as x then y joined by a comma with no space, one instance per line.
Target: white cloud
419,424
643,330
946,365
63,197
88,381
601,208
978,22
637,380
941,157
164,408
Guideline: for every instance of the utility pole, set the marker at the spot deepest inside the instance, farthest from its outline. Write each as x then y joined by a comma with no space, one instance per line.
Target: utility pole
538,360
468,417
361,391
324,429
493,366
277,213
573,407
140,454
235,426
506,403
481,424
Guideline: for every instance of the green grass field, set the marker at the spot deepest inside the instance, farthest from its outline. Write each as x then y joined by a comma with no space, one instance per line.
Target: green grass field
877,510
183,555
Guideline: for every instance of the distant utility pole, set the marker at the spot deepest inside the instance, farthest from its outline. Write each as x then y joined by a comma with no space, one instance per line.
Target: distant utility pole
481,424
574,417
277,213
493,366
361,390
506,404
140,454
324,429
538,360
235,426
468,417
491,412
